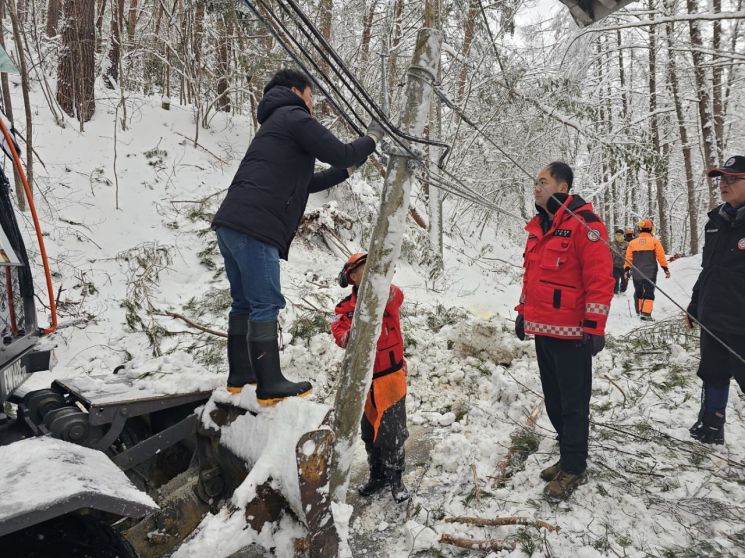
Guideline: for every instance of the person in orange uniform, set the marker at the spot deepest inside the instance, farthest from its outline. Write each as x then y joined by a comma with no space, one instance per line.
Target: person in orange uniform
567,290
384,420
644,252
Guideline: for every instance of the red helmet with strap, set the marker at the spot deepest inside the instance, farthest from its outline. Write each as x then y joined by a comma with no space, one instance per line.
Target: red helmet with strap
352,263
645,224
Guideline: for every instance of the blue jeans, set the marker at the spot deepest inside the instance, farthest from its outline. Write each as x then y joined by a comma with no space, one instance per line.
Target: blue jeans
252,268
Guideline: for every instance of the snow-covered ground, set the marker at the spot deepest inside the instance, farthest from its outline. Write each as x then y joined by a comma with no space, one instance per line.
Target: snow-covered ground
651,491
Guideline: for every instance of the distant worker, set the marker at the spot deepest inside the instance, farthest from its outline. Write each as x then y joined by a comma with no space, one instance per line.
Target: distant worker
384,420
618,248
628,234
718,302
259,217
642,256
566,296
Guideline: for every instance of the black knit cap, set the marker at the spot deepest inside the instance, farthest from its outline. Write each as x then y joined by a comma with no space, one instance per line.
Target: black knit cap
734,166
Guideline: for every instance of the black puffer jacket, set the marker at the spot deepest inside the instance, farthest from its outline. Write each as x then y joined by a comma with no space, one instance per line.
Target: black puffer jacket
267,197
718,296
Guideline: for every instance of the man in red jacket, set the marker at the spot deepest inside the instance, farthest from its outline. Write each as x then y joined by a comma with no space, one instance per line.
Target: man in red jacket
384,420
567,289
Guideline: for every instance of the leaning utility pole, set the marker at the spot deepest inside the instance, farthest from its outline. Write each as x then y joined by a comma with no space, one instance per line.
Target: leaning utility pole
385,247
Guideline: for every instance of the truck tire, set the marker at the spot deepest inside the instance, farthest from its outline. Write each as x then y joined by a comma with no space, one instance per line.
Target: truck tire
70,536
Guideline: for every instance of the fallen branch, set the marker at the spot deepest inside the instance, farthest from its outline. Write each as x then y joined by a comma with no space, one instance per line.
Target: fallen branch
505,462
192,323
486,522
199,145
478,544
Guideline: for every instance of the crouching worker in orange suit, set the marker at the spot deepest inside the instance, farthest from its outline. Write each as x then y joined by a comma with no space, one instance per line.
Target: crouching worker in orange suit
384,421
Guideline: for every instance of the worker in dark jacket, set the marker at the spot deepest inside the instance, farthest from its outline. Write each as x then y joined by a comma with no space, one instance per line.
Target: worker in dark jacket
618,249
259,217
718,302
567,290
384,420
642,256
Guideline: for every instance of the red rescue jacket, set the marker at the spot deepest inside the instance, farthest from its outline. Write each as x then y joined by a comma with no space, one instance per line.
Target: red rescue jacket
568,279
390,353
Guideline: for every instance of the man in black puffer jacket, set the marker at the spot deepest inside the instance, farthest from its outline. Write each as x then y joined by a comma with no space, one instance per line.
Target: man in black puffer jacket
260,215
718,302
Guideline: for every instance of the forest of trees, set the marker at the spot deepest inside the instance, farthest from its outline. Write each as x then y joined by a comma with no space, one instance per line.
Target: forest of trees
640,103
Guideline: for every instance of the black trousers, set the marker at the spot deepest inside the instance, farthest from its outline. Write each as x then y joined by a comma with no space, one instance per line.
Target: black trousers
620,281
387,452
643,289
718,365
566,377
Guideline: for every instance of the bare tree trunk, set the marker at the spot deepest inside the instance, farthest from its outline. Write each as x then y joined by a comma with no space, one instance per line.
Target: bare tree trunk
434,130
469,31
99,24
716,85
52,17
131,21
367,33
76,67
223,56
657,164
115,50
8,106
672,77
385,247
702,94
25,89
325,9
394,45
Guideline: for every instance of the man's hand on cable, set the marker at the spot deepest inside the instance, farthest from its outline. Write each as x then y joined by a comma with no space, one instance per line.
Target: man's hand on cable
597,342
375,131
667,272
344,341
520,327
691,315
627,274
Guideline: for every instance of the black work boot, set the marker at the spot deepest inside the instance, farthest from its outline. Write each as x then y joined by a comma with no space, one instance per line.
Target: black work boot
399,492
375,483
263,349
710,429
240,371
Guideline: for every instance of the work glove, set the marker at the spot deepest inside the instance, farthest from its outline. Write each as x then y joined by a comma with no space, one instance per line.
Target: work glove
520,327
691,313
627,275
344,341
375,131
667,272
597,342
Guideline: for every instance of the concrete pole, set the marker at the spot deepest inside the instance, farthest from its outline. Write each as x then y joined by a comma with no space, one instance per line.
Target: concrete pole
385,248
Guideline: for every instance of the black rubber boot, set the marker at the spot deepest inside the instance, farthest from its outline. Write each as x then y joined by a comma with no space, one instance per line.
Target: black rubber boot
710,430
375,483
697,425
263,349
399,492
240,371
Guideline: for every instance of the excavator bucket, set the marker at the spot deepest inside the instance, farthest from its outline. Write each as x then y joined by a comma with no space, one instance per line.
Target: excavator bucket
587,12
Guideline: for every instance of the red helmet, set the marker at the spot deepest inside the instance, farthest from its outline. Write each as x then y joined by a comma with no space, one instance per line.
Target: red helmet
352,263
645,225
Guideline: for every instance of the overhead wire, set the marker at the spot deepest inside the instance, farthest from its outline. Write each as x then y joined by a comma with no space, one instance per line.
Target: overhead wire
457,186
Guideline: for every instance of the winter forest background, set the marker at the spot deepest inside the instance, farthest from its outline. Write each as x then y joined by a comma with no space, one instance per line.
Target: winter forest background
134,115
641,103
